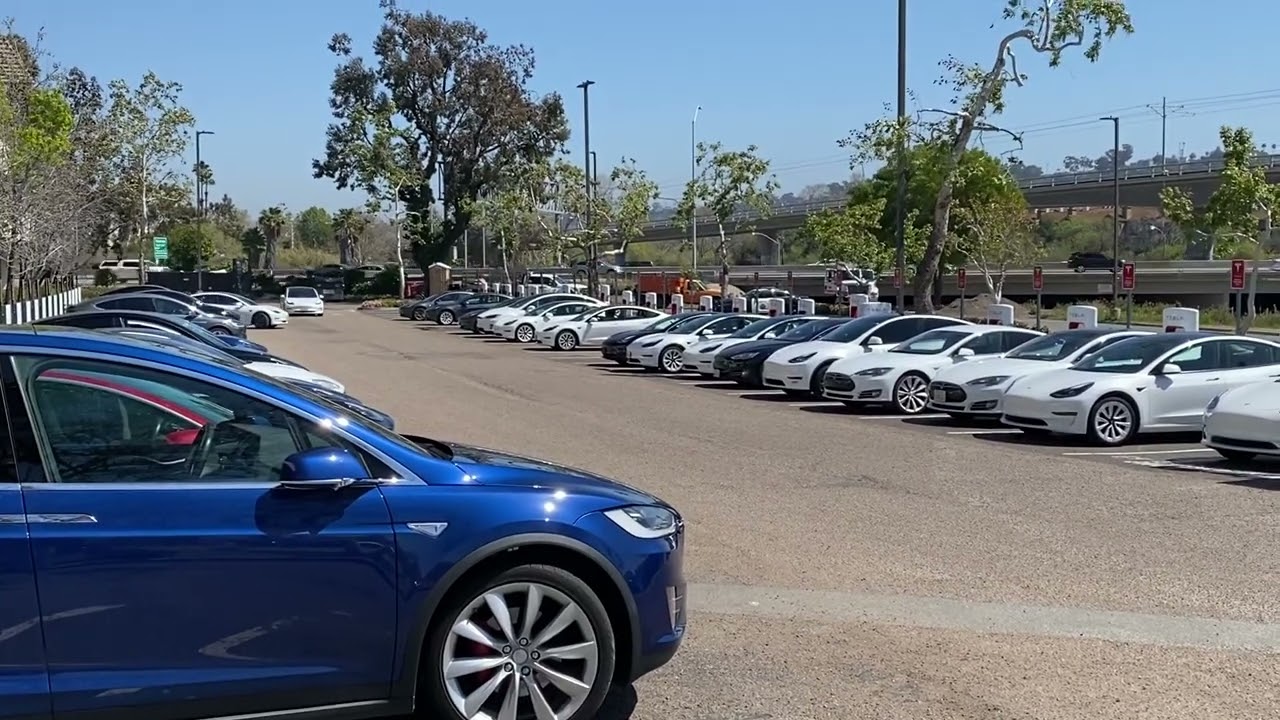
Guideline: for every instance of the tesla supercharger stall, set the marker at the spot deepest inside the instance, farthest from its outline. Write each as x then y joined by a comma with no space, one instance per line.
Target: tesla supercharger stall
773,307
677,304
875,308
605,292
628,297
1082,317
504,289
1180,319
856,301
806,306
482,285
739,304
705,302
651,300
1000,314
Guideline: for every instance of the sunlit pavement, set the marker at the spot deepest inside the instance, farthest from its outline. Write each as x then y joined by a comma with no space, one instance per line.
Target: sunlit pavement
858,565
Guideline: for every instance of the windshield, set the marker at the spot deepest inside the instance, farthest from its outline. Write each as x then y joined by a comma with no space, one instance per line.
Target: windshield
1130,356
812,330
693,324
181,344
932,342
301,292
854,329
753,329
1058,346
665,323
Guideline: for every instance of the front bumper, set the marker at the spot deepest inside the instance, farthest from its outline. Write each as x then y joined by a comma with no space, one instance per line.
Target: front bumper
643,356
506,331
304,309
785,376
856,388
467,323
1067,417
979,401
742,372
616,353
1240,432
703,364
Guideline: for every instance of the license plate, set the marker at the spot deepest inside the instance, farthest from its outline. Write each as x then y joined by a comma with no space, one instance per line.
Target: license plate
939,396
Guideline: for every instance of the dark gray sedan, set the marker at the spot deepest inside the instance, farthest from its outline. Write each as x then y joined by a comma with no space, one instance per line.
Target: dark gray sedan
150,302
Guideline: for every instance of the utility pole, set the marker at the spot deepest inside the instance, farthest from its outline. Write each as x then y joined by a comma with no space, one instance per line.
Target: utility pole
899,217
693,179
592,259
1164,111
1115,212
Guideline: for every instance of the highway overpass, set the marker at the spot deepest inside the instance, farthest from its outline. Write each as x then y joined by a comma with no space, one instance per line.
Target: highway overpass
1139,187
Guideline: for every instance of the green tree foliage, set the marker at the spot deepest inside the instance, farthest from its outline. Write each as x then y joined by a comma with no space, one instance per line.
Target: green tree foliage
189,245
631,200
315,229
1230,218
997,234
272,221
438,99
36,130
851,235
349,225
728,183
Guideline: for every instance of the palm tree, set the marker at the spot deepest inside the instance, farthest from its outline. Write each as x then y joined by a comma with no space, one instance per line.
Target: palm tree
272,222
348,225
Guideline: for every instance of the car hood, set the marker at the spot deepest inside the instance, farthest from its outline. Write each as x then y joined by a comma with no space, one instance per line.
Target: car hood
1040,385
626,337
685,339
292,372
899,361
761,346
714,346
236,342
494,467
962,373
821,347
1261,399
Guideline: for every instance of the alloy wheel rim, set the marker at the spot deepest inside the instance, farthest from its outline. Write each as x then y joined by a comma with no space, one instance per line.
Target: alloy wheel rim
446,318
672,360
565,341
419,314
524,333
912,394
1113,421
517,650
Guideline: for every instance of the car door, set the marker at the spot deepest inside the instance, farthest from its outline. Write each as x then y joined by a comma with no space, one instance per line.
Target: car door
24,680
197,588
1248,361
895,331
983,344
1180,398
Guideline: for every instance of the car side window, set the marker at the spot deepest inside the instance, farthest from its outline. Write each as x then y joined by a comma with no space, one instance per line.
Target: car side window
1091,349
104,422
1244,354
1013,338
169,307
985,344
896,331
145,304
1203,356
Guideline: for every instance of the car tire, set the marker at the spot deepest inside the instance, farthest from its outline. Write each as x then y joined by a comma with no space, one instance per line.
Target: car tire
671,360
794,393
556,589
566,340
815,382
219,330
1078,268
446,318
1035,432
261,321
911,394
419,314
1236,455
1113,421
524,334
622,363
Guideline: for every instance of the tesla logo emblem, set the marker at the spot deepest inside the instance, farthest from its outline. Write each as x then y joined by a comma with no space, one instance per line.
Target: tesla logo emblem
430,529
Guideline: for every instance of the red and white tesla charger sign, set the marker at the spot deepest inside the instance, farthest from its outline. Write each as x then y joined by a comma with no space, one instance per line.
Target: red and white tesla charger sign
1037,278
1180,319
1082,316
1237,274
897,277
961,278
1127,278
856,301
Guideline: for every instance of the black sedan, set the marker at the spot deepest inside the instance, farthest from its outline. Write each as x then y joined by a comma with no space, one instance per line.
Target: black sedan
417,309
614,347
743,363
467,320
447,312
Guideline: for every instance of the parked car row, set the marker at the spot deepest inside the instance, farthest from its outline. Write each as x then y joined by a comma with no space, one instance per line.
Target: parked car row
1108,385
206,486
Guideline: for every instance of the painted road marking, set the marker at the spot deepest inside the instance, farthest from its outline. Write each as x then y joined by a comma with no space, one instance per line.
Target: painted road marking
1123,453
983,432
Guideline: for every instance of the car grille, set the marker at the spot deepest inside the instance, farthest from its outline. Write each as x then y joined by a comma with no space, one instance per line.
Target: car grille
837,381
954,393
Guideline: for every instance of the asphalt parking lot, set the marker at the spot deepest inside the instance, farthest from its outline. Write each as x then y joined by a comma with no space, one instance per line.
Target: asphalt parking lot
858,565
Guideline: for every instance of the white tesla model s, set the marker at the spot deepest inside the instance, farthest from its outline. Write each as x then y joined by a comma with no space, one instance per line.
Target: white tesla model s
900,377
700,356
1244,422
1157,383
524,328
974,389
797,369
595,326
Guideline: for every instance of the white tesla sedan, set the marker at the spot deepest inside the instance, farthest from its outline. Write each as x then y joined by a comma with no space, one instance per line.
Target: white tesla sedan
700,356
594,326
665,352
900,377
1244,422
524,328
798,369
250,313
487,320
1157,383
975,389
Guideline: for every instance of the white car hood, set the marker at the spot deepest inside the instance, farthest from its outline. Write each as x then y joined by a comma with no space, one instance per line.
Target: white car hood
1261,399
962,373
706,346
291,372
902,361
269,309
824,350
1040,385
685,339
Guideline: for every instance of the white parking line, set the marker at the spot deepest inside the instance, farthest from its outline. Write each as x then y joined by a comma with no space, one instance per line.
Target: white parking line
1140,452
810,404
983,432
939,416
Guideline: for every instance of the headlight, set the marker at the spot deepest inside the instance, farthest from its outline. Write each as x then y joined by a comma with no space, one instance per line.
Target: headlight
1213,403
744,355
644,521
713,348
987,381
488,316
873,372
1070,392
802,358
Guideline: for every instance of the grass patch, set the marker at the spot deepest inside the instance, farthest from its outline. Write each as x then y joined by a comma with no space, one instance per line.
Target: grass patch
1215,318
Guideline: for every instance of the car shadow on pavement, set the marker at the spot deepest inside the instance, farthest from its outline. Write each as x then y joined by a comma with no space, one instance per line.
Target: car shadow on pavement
1079,441
718,385
833,410
778,397
951,422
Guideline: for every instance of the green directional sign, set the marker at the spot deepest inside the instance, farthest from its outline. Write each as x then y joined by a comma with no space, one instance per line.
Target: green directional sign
160,248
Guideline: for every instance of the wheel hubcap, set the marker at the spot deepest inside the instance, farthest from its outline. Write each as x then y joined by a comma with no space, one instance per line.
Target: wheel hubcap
446,318
672,360
524,333
912,394
520,650
1113,421
566,341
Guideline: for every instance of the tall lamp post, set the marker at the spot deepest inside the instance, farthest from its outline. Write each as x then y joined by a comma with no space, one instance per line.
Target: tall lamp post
1115,211
773,240
586,163
693,178
899,218
200,201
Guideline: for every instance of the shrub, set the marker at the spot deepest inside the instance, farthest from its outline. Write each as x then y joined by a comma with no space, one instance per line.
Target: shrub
105,278
266,284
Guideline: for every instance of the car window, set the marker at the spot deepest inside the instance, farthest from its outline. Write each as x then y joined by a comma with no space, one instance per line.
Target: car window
89,322
102,422
1245,354
991,343
135,302
216,299
900,329
932,343
170,307
1196,358
1015,338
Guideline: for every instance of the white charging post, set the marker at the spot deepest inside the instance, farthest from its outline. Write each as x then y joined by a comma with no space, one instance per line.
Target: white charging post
677,304
806,306
1180,319
705,302
1080,317
856,301
774,307
606,292
651,300
739,303
1000,314
628,297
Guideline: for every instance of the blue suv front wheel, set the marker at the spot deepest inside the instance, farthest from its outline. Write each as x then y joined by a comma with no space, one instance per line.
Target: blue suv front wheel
532,641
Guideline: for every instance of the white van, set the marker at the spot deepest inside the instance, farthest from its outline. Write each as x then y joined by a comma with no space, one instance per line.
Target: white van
127,270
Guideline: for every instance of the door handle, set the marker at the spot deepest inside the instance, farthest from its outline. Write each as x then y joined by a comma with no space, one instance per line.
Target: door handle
1212,379
61,518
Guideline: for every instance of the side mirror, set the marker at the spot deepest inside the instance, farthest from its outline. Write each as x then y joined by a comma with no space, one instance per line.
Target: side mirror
965,353
874,340
317,468
1171,369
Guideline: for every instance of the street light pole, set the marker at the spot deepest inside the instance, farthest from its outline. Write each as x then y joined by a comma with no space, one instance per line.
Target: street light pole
899,217
200,198
693,178
1115,211
773,240
586,162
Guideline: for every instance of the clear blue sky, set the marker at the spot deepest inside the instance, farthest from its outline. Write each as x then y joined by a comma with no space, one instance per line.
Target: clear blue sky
792,78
